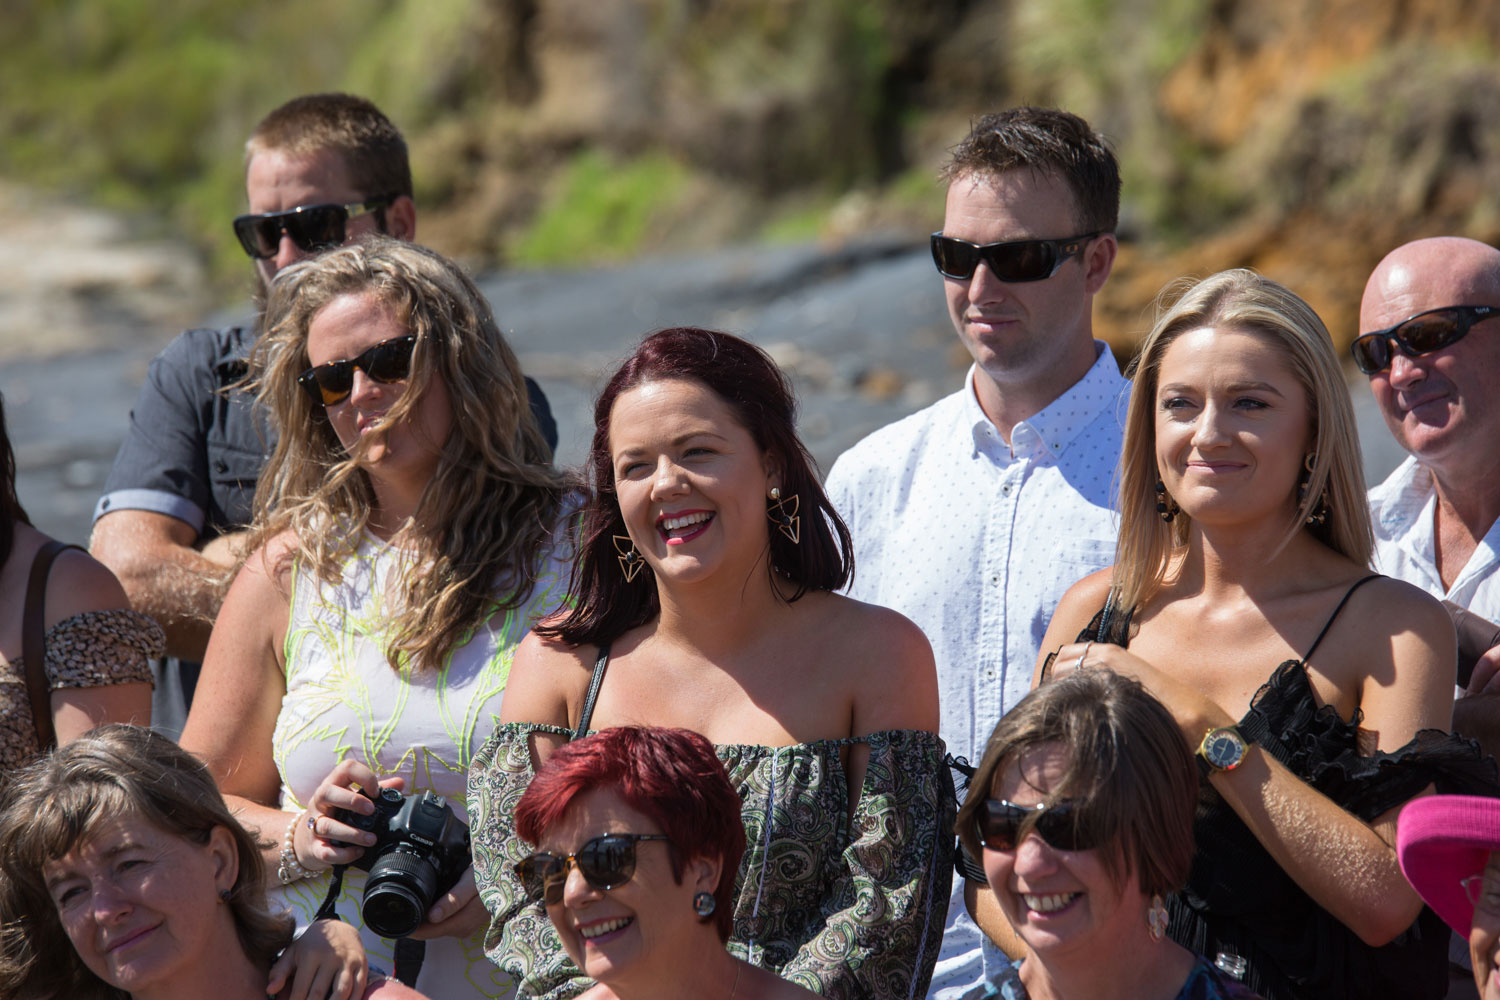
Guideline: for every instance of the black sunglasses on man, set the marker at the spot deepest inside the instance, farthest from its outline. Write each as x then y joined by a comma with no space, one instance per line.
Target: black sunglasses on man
1019,260
311,227
1417,335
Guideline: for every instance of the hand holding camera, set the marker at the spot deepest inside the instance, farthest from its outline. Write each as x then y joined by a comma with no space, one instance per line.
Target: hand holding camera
414,847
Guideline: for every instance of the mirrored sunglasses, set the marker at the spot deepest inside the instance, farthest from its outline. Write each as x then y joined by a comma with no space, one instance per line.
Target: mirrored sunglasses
388,361
1022,260
311,227
999,825
606,862
1417,335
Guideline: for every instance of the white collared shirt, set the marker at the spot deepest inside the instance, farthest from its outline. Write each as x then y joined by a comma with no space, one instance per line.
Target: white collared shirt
976,541
1403,513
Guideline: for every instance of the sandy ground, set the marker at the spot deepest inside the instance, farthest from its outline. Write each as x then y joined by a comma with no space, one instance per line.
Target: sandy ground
861,328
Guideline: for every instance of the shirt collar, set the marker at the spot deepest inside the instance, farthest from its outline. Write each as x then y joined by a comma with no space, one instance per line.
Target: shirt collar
1059,423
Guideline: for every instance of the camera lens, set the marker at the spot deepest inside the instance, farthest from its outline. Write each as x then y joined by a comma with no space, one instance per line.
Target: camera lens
400,890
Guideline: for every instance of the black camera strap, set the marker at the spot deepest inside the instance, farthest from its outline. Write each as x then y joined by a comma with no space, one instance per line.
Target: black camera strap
328,910
409,953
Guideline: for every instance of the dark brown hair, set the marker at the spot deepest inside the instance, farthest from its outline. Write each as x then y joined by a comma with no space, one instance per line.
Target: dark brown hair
1130,774
56,802
1051,142
756,390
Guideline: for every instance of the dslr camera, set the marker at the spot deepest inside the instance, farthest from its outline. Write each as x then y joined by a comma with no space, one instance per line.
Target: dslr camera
420,850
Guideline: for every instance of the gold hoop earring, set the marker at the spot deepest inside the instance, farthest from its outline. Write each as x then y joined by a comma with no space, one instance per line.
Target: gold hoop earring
630,558
783,514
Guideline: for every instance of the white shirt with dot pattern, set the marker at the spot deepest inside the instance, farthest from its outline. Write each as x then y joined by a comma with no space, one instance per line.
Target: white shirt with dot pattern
976,541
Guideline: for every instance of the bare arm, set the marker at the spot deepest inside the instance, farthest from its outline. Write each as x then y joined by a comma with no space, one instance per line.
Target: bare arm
234,711
164,575
1347,865
78,584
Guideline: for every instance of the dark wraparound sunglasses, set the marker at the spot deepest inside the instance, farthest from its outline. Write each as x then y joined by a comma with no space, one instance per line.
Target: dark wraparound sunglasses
311,227
1023,260
606,863
1417,335
387,361
999,825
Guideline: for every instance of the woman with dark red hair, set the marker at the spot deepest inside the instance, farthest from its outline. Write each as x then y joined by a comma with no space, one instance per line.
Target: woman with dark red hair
708,563
638,829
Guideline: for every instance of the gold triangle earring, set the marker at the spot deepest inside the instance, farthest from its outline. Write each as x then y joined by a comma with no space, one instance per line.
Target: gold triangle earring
630,558
783,514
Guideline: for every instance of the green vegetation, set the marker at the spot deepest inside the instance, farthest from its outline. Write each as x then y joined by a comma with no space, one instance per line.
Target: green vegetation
603,208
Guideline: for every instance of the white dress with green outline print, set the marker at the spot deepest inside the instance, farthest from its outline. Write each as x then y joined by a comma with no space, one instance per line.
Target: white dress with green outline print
343,699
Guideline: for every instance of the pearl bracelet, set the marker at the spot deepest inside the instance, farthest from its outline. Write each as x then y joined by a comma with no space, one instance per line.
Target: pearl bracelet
290,870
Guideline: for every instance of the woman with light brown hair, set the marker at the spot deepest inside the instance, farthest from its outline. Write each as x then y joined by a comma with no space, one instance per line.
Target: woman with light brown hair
403,545
123,874
1245,543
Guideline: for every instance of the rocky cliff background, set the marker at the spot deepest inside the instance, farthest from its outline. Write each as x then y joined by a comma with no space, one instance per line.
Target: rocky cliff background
1301,137
764,166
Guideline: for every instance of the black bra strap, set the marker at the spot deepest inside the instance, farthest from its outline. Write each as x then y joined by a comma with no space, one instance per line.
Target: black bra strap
595,683
1329,624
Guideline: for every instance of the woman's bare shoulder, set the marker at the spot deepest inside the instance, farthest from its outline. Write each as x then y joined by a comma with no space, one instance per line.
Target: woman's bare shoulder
547,677
876,634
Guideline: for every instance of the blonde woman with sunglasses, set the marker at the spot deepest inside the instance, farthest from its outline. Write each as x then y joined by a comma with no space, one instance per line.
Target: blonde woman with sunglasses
402,547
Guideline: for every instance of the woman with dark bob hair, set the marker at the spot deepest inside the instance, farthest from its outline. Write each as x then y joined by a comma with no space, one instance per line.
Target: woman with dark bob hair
1315,693
637,828
123,874
1082,810
705,585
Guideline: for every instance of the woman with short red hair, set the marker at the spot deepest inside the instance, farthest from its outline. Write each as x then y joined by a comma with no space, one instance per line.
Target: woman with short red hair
639,840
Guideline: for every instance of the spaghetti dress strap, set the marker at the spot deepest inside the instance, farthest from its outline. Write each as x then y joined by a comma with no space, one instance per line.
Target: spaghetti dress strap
595,682
1331,618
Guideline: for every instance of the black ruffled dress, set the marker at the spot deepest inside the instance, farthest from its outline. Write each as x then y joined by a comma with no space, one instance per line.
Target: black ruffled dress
1240,904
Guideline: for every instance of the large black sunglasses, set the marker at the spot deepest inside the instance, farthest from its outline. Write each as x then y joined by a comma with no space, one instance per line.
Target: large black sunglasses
387,361
606,862
1021,260
311,227
1417,335
999,825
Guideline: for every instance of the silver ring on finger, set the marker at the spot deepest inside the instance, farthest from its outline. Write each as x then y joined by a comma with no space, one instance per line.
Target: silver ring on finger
1086,647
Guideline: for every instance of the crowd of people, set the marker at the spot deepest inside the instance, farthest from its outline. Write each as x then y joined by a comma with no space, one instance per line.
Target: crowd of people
432,717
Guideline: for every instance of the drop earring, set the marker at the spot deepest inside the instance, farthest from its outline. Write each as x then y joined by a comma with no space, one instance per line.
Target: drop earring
1166,507
630,559
783,514
1319,513
1156,918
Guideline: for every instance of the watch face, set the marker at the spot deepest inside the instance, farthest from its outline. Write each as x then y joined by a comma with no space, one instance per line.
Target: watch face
1223,749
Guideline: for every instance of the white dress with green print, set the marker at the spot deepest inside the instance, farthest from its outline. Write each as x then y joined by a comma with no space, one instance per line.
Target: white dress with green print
343,699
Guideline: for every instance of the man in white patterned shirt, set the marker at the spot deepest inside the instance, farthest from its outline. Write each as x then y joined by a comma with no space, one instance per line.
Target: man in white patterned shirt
973,516
1430,343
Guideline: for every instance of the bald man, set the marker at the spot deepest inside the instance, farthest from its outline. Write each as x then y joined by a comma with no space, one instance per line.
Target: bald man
1430,344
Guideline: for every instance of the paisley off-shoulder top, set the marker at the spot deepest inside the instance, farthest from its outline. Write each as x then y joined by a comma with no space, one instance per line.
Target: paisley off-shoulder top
846,909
